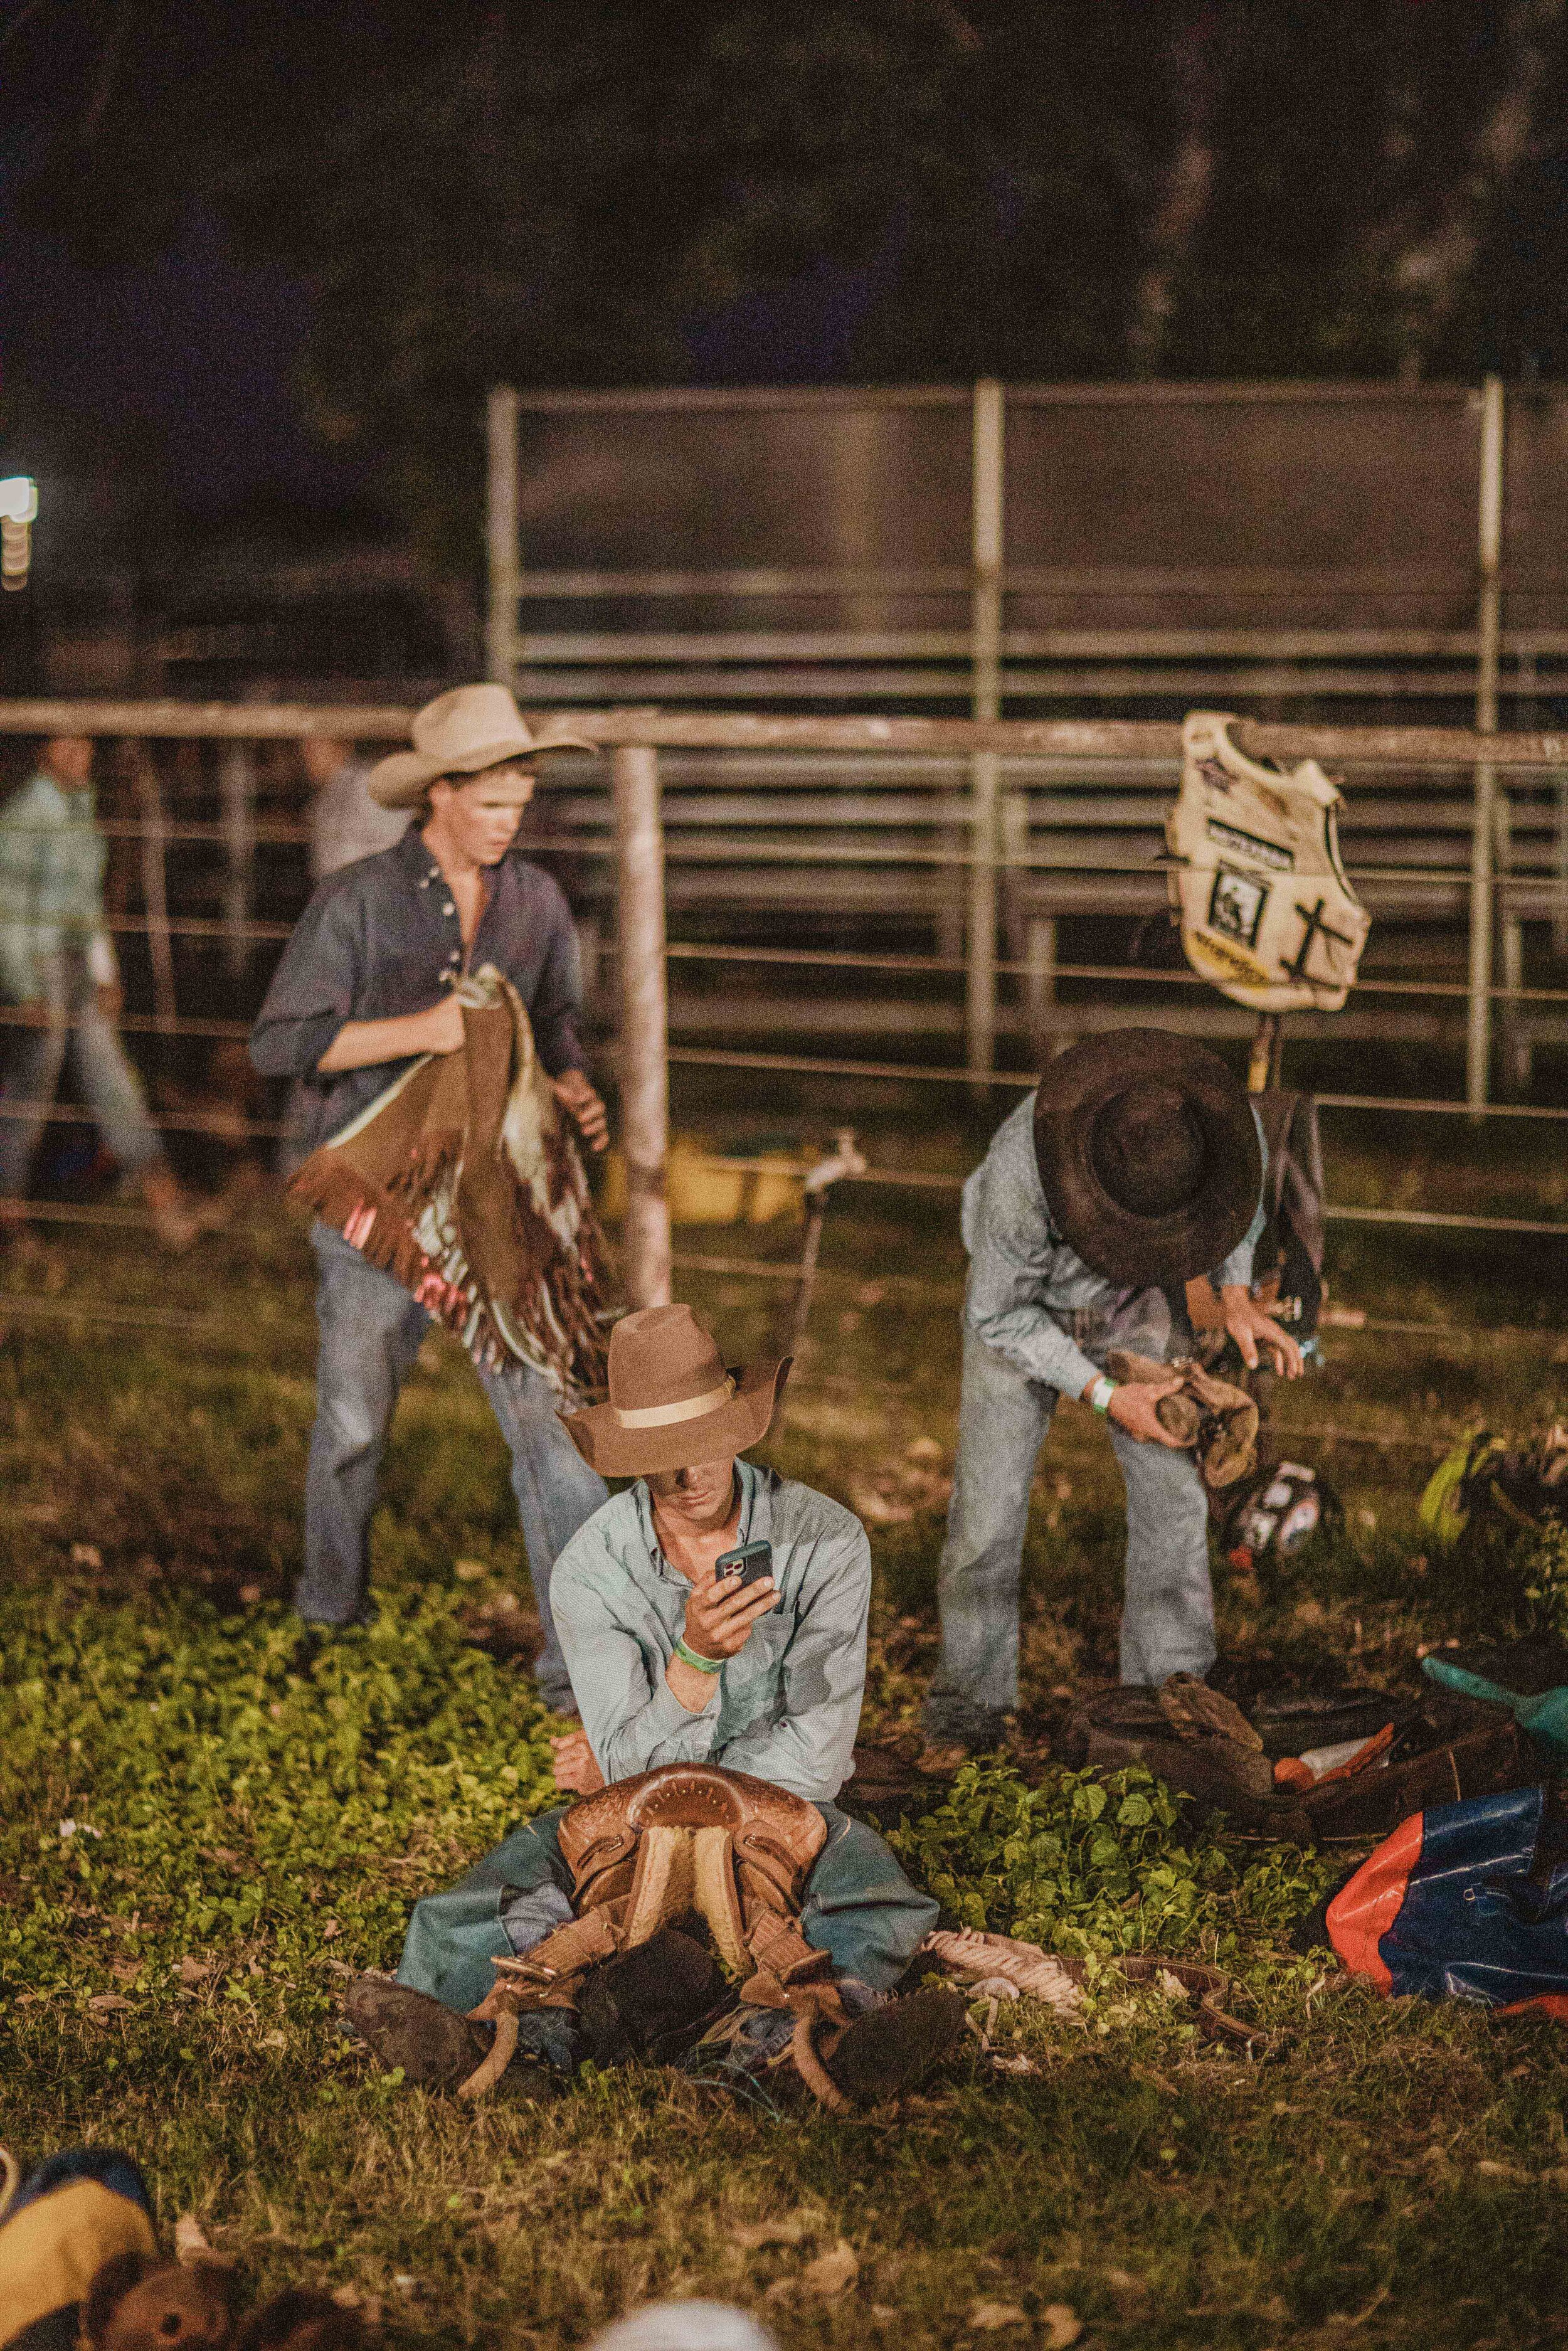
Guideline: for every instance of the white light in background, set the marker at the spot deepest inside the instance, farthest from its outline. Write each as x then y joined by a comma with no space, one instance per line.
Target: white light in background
18,512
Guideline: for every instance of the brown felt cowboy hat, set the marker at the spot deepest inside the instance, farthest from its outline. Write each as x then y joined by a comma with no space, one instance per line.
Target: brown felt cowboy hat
1149,1156
461,734
672,1403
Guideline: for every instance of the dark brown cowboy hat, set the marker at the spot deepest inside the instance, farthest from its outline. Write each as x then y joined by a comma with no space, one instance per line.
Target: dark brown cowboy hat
1148,1152
672,1403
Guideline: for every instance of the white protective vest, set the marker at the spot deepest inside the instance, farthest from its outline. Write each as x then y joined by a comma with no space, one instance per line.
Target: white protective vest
1266,914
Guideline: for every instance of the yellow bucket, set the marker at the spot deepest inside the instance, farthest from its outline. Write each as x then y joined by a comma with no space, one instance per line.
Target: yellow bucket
701,1194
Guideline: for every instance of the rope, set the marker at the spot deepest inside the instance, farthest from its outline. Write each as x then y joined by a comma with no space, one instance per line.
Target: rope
762,1268
1441,1218
118,1318
811,957
714,1057
29,1307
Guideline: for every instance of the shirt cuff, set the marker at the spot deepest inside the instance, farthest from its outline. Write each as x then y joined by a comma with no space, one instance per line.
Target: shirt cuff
1071,1373
1237,1270
561,1050
293,1049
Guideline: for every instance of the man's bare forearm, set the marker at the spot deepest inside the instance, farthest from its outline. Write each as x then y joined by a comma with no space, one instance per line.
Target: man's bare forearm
361,1044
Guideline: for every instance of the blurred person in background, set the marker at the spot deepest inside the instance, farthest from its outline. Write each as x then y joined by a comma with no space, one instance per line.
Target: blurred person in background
345,823
60,977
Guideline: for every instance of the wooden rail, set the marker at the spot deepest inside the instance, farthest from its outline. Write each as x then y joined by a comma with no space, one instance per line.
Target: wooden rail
1067,821
699,730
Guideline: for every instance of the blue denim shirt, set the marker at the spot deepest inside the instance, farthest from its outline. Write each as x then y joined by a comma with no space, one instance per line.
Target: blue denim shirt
381,938
787,1708
1024,1282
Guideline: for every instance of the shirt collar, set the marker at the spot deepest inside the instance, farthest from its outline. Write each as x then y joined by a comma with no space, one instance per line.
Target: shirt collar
78,804
751,1508
416,859
424,871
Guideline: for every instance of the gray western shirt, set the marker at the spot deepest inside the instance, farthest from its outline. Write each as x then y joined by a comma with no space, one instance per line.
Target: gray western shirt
382,938
787,1708
1023,1276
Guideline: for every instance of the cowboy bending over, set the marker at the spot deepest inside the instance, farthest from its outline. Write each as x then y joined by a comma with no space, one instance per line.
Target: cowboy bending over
674,1665
1135,1166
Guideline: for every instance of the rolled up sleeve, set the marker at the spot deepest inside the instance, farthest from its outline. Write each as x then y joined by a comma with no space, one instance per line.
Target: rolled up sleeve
1237,1266
1237,1269
314,989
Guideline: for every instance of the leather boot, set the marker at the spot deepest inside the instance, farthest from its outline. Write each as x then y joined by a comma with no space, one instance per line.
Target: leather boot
891,2048
1207,1721
402,2027
1178,1413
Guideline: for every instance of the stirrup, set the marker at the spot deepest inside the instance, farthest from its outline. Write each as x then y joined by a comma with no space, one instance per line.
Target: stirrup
808,2064
497,2058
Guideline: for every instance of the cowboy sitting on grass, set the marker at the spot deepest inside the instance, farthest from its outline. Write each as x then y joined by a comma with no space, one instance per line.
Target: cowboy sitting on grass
676,1666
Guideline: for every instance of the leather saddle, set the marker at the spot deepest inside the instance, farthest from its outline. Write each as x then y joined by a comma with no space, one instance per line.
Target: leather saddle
650,1851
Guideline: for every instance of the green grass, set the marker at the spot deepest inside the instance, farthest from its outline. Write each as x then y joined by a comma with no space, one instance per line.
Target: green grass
1394,2174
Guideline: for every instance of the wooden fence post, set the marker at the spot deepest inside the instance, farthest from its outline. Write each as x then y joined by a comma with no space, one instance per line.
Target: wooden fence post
644,1026
154,882
986,660
1483,835
237,784
502,524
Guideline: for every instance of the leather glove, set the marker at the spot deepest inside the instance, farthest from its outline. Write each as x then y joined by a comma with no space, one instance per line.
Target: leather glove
1215,1420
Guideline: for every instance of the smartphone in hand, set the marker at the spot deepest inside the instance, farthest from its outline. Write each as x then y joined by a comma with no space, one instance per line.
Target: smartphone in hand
751,1561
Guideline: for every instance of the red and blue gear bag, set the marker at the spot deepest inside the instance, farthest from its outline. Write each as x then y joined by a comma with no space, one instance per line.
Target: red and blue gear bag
1468,1901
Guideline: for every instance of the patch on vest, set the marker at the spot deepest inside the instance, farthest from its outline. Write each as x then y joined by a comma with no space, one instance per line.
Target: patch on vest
1267,912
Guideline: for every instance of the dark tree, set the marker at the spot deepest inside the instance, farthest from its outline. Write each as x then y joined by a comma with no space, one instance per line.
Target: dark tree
629,191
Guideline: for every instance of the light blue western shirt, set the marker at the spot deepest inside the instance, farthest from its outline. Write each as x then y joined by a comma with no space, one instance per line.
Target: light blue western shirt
787,1708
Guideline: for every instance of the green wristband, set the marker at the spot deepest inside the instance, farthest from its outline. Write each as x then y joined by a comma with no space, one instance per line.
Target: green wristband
703,1665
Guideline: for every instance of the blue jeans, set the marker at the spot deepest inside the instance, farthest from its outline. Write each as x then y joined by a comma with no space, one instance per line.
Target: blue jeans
371,1331
34,1059
1167,1617
860,1909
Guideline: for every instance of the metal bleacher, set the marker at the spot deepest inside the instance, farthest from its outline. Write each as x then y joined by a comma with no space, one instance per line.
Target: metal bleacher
1128,550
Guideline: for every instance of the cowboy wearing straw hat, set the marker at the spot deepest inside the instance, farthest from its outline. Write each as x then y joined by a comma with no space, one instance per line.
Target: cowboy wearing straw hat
674,1664
1135,1166
364,988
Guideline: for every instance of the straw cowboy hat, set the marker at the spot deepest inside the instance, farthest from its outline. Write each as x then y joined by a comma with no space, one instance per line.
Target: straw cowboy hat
460,734
672,1403
1148,1153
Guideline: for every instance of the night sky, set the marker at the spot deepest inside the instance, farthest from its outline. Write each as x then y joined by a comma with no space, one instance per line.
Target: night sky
181,365
195,353
907,190
192,352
